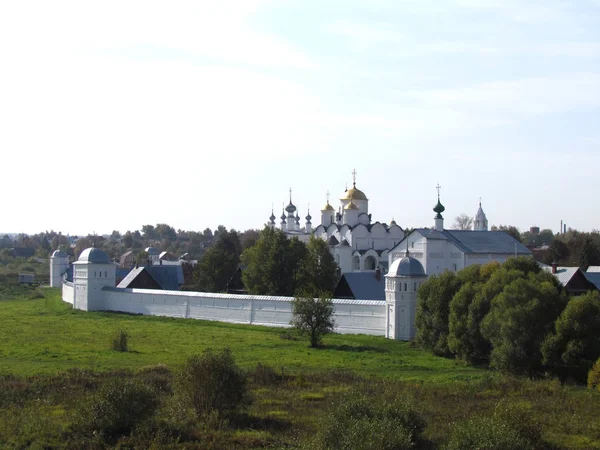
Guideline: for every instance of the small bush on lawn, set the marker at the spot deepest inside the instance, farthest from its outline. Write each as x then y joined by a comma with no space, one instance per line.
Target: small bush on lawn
594,376
212,383
359,422
117,408
510,427
120,342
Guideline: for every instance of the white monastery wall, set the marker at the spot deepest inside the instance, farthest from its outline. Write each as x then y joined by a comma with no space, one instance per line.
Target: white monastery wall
351,316
68,293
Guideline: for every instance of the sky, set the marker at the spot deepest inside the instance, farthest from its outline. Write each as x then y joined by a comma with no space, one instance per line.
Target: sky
118,114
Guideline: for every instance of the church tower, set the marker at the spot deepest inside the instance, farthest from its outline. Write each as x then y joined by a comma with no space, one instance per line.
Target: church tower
401,285
59,264
291,220
308,225
481,222
439,209
272,219
327,214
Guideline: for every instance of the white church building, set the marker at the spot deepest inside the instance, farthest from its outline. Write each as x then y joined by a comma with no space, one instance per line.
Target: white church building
357,243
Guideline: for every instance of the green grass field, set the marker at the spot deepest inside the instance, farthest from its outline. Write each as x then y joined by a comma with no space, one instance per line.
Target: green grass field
48,336
53,359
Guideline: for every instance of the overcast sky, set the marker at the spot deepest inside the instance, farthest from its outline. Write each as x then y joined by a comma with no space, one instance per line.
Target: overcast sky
117,114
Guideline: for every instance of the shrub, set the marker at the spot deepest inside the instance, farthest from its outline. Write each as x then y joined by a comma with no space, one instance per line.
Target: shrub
594,376
510,427
120,341
118,407
213,383
359,422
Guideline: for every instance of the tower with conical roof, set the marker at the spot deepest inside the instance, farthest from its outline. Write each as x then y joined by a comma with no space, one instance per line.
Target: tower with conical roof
481,222
439,209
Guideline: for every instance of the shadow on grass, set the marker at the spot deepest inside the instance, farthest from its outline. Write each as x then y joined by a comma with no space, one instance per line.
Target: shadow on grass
247,421
353,348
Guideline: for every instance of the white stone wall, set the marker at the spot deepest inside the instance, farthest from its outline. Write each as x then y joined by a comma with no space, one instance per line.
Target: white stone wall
68,293
351,316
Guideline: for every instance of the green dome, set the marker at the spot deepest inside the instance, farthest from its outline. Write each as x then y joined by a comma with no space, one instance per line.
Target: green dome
439,209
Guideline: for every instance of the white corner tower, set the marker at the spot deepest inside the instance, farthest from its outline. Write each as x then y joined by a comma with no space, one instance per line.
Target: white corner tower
439,209
481,222
401,285
59,264
92,272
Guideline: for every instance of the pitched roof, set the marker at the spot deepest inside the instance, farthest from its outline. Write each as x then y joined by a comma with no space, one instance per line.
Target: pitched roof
593,269
169,277
361,286
594,278
128,279
563,274
476,241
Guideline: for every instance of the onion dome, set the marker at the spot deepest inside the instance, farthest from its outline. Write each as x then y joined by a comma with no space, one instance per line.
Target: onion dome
272,218
94,255
59,254
308,217
283,217
297,218
290,208
351,206
407,266
439,209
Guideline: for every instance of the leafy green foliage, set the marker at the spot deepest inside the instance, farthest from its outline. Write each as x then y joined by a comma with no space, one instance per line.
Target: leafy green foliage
212,383
313,316
219,263
575,343
117,408
510,427
432,316
520,317
593,380
273,264
319,271
359,422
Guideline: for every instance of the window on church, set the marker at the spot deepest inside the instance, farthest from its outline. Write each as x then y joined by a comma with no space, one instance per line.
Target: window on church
412,245
415,287
105,274
405,287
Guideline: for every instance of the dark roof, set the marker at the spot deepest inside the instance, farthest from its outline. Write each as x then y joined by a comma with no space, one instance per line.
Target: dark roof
332,240
407,266
94,255
22,252
169,277
594,278
361,286
476,241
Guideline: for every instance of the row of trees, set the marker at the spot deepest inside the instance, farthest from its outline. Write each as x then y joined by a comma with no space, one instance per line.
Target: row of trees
271,265
513,316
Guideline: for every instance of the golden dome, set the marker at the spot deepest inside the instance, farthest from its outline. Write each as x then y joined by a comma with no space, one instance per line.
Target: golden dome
328,207
354,194
350,206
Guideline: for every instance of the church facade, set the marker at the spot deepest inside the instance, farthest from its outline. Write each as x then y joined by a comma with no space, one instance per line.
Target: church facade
357,242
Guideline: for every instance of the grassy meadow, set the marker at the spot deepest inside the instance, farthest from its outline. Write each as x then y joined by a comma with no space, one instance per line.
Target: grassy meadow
53,359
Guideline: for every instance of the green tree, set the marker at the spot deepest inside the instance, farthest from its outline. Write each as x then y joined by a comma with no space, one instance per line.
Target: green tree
313,316
575,343
510,229
433,309
589,255
219,263
319,271
273,264
520,317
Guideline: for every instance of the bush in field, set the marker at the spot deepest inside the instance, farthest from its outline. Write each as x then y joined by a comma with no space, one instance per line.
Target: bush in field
118,407
594,376
510,427
212,383
120,342
359,422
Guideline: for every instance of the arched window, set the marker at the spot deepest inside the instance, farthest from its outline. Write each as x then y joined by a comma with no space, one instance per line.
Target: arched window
370,263
405,287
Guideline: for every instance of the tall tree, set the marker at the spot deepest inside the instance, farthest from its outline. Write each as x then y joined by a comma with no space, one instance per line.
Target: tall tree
313,316
319,271
463,222
272,265
219,263
510,229
574,345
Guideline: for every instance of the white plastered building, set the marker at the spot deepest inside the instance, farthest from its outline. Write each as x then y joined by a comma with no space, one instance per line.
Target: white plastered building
59,264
